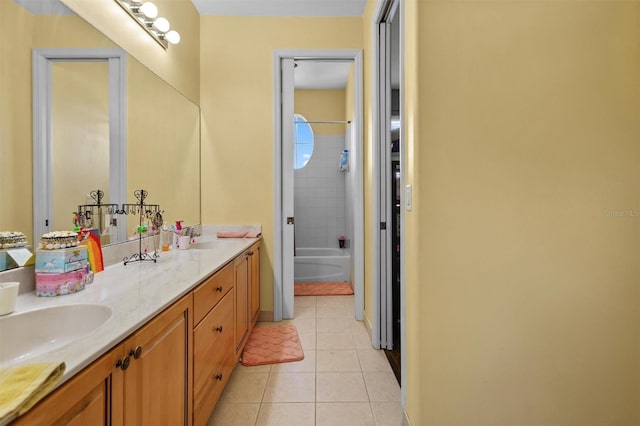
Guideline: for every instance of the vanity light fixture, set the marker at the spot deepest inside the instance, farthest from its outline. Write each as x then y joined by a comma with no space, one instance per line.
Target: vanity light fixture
145,14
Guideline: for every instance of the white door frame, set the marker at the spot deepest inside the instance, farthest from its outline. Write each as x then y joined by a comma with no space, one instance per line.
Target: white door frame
283,286
42,128
288,192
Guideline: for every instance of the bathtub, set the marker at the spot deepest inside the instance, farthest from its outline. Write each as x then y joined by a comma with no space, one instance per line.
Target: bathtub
321,265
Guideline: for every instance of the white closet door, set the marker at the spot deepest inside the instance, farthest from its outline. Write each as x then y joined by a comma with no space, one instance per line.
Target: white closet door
386,279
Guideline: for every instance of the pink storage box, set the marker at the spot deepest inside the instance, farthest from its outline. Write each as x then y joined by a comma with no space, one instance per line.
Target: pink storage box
62,283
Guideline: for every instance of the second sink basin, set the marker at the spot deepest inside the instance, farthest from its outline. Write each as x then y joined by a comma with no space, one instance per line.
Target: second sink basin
36,332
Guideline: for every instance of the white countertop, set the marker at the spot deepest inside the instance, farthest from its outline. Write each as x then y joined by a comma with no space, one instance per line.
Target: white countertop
135,293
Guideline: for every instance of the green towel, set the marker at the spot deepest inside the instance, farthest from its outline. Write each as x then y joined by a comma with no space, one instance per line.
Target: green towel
22,386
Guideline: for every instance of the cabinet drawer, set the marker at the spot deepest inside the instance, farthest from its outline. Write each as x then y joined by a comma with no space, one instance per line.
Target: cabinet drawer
211,291
205,403
212,342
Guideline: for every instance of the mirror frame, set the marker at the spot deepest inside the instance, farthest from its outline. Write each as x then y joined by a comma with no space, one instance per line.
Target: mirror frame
42,129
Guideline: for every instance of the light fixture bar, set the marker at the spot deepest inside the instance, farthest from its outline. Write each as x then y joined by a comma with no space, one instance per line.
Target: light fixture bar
134,9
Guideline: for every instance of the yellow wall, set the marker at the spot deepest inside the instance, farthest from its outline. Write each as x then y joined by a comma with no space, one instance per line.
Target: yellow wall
522,284
80,142
179,65
321,105
15,119
350,96
237,115
163,130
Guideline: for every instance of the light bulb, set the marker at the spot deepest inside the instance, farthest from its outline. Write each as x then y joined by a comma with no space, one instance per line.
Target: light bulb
161,24
149,10
172,37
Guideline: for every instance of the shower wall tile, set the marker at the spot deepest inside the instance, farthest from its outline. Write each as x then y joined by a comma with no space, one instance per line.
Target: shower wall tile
319,197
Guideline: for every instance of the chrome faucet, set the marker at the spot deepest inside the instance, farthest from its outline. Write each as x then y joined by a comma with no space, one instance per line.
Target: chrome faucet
192,231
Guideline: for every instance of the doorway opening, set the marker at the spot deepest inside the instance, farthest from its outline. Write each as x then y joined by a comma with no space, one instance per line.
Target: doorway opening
311,210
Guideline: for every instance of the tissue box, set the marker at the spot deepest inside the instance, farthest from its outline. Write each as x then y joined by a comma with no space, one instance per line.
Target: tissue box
61,260
61,284
6,261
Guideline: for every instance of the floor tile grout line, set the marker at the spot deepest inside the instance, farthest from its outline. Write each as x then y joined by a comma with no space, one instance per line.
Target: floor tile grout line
264,391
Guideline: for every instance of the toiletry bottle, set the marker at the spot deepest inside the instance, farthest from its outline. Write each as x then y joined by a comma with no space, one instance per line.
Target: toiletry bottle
344,160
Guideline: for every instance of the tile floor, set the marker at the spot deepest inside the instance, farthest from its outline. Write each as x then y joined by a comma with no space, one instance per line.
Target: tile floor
342,381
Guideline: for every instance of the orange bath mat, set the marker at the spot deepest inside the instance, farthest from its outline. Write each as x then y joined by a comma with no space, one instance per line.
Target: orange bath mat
272,345
322,289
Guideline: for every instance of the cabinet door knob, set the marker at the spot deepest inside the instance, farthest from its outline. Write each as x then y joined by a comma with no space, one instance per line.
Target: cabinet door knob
219,329
219,289
137,353
123,364
218,377
251,253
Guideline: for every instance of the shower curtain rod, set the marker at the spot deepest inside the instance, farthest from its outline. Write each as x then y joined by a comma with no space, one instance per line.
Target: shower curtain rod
324,122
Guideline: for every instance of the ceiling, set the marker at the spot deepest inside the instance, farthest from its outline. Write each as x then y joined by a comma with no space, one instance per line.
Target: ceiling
310,74
44,7
281,7
235,7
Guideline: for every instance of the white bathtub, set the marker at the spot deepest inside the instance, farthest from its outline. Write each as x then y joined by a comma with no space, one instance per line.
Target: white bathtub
321,265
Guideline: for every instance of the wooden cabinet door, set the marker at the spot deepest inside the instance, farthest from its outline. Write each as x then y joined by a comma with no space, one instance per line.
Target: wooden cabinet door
213,357
86,399
254,297
241,267
157,388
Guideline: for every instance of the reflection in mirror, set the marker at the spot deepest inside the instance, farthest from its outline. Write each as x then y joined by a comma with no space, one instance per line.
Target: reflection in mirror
71,119
80,139
163,152
162,126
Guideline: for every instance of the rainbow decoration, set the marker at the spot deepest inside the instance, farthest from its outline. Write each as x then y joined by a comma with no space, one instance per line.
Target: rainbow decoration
94,251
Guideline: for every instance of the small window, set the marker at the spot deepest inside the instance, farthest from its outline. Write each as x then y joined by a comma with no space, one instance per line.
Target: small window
302,142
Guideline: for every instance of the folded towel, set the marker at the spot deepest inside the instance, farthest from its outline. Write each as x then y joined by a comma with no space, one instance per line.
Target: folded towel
21,387
253,234
231,234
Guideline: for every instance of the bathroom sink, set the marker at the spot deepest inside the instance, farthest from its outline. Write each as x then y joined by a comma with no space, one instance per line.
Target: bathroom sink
32,333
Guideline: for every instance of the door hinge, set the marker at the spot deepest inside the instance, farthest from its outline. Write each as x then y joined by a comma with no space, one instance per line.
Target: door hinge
46,222
383,225
290,220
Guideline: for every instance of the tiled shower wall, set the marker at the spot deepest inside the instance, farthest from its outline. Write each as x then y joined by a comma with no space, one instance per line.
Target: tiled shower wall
319,197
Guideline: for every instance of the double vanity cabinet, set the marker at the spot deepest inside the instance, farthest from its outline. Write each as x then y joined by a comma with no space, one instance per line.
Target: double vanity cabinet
173,369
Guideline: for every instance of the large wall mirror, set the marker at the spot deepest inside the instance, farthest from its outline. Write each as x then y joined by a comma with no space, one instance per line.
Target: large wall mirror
162,127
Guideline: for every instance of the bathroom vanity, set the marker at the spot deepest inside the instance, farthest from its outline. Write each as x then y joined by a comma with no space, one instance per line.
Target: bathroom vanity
177,331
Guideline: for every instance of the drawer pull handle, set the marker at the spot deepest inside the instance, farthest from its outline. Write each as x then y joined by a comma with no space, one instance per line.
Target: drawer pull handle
219,289
219,377
250,253
123,364
137,353
219,329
